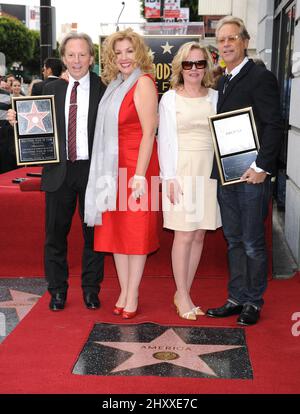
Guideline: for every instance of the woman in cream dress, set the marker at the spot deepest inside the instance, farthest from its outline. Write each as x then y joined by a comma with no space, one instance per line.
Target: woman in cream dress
186,155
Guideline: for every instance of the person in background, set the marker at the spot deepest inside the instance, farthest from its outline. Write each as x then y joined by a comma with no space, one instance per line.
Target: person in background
186,157
33,82
16,88
5,102
124,150
9,81
244,206
218,72
5,105
52,70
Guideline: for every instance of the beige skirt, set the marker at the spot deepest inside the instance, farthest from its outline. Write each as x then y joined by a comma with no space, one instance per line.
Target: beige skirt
198,207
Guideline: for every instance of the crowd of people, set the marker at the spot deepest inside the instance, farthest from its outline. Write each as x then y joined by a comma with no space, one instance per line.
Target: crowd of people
110,157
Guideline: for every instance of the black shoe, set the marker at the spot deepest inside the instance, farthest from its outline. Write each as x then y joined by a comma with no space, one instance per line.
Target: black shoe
57,301
91,300
226,310
249,316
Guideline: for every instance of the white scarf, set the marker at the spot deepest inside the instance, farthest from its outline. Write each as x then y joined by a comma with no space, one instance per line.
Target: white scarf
101,191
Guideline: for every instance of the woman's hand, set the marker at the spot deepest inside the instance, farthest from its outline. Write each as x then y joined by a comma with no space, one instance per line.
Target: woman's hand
138,186
174,190
11,117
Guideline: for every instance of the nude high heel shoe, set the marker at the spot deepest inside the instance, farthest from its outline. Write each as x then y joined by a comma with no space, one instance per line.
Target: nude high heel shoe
198,311
190,315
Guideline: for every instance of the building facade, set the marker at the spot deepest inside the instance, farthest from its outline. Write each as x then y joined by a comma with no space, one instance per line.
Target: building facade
279,44
245,9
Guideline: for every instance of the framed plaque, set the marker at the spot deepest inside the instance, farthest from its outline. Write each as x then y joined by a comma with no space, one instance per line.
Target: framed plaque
236,143
36,139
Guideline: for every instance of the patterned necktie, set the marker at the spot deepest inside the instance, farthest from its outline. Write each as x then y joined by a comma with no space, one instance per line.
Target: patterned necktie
226,82
72,153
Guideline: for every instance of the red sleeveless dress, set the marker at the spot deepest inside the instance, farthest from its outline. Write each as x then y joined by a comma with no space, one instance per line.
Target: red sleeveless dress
133,227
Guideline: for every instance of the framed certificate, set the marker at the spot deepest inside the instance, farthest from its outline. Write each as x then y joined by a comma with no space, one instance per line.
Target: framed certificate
36,139
236,143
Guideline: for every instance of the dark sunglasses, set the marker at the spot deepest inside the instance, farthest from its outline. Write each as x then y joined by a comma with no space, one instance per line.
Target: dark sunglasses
188,64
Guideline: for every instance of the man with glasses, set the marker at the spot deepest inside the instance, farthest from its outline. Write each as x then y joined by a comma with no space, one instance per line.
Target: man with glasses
244,206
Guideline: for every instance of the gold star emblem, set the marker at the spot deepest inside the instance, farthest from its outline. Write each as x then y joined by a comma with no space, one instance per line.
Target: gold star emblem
167,48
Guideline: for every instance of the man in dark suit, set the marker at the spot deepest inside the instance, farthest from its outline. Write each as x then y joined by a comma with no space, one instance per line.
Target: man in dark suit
52,70
244,206
66,181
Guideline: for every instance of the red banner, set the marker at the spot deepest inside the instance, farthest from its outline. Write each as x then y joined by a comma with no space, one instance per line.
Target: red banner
152,9
172,9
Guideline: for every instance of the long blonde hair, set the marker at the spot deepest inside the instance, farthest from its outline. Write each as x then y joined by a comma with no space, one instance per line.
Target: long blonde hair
182,54
143,59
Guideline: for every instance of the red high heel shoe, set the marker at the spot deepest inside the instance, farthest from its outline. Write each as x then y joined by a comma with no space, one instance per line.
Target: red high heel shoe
128,315
117,311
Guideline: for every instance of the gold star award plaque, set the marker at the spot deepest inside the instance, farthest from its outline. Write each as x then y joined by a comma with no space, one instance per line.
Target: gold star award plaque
36,139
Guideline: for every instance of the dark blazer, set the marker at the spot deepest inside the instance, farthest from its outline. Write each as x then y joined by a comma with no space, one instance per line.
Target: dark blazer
257,87
54,174
38,88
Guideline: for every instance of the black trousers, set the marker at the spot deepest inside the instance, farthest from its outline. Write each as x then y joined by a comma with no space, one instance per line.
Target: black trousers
8,160
60,208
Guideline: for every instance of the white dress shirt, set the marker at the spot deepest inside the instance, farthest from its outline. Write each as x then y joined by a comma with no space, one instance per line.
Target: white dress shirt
83,97
237,69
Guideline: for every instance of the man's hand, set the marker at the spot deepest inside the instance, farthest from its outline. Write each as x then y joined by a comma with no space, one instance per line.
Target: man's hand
11,117
253,177
173,191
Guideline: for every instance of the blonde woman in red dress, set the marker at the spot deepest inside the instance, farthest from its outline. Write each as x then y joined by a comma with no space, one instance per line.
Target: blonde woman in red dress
118,197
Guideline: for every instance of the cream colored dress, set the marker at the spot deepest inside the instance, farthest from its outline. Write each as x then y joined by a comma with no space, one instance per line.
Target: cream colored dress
198,207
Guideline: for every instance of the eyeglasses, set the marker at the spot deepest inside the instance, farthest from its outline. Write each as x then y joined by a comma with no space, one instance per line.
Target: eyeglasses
188,64
230,39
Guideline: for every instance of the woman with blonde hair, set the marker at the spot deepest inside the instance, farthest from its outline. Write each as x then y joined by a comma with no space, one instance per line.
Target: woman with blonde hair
186,155
124,159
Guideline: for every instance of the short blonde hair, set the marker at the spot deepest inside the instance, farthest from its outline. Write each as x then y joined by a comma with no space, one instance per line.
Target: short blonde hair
143,58
181,55
233,20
